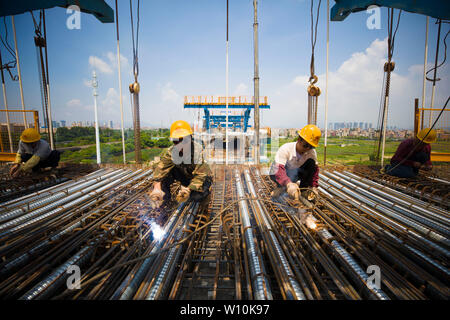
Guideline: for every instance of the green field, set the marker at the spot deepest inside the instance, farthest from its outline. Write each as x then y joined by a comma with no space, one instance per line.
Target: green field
348,151
152,142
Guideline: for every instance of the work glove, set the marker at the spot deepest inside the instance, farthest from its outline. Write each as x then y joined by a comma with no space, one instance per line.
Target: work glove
14,169
156,198
417,164
183,194
293,190
310,194
277,192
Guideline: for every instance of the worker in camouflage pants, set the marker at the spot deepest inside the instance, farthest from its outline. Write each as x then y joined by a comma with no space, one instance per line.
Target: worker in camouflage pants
183,162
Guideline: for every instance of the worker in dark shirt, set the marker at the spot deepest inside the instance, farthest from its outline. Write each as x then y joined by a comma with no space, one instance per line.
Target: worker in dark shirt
412,155
184,162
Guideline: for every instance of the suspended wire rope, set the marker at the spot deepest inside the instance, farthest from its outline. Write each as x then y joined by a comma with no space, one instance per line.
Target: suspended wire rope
40,41
11,64
134,87
313,91
388,68
135,43
436,66
120,85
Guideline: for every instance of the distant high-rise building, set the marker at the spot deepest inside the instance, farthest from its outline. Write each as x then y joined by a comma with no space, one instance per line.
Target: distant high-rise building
361,125
370,125
366,125
63,123
110,124
55,124
355,125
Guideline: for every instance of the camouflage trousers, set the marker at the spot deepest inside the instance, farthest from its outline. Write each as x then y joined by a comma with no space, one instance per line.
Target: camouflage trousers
174,176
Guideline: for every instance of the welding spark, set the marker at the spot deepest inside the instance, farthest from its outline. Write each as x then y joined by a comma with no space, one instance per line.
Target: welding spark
158,232
307,218
310,222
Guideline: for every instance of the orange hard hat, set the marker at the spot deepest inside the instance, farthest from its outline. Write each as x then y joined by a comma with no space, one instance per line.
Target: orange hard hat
427,137
311,134
180,129
30,135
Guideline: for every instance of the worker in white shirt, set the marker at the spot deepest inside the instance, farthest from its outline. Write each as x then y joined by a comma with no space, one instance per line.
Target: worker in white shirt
297,161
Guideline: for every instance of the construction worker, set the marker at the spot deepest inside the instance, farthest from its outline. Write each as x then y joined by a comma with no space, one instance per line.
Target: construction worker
296,161
412,154
33,154
183,162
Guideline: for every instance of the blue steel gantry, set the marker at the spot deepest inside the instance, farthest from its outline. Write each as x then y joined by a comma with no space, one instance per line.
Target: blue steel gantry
211,103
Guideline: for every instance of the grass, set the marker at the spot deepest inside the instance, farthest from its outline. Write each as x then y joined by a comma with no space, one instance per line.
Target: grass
146,155
348,151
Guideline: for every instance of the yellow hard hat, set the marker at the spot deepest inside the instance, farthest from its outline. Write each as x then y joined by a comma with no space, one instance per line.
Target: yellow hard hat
430,138
30,135
180,129
311,134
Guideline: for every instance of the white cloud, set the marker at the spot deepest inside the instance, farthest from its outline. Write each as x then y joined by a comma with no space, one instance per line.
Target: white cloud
169,95
87,83
112,57
73,103
354,92
242,90
110,104
100,65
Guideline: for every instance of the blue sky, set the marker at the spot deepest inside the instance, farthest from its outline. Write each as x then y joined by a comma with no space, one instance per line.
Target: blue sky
182,52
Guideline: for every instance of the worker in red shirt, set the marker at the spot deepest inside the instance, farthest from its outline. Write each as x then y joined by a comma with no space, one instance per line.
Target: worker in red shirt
297,161
412,155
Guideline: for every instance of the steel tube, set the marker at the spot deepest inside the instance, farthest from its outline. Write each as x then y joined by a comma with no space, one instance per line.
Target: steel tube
9,205
438,212
24,258
390,222
260,282
391,203
385,210
280,256
160,284
53,198
131,283
63,204
362,276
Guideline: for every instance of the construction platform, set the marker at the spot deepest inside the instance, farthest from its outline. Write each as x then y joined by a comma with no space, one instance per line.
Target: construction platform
364,236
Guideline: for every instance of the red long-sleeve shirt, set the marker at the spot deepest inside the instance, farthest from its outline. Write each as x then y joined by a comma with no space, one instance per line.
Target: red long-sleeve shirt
405,148
283,179
287,157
